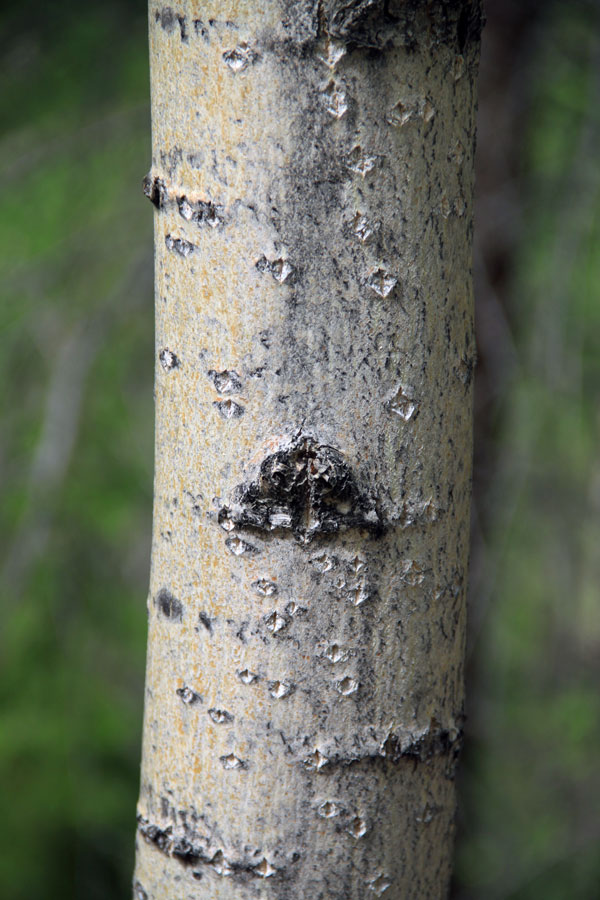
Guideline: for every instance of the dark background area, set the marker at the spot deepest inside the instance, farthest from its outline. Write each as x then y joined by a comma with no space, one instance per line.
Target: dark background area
76,365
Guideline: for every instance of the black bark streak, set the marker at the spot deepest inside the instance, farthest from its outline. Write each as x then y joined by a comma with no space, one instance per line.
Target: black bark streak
306,489
438,742
205,620
183,848
196,210
170,20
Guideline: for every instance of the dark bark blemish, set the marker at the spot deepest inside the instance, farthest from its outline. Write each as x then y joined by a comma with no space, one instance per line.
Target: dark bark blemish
153,834
240,57
169,20
166,807
195,160
366,24
307,489
184,851
229,409
224,519
348,18
280,689
166,18
183,28
300,21
171,160
247,677
238,547
155,190
275,622
436,741
231,761
225,382
138,892
188,696
258,372
220,716
264,588
240,633
170,606
200,29
381,282
206,621
374,25
464,370
183,843
456,23
280,268
179,245
470,25
168,359
402,404
200,212
361,161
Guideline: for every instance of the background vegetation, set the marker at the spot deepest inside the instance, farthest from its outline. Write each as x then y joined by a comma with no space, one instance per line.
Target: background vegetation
76,319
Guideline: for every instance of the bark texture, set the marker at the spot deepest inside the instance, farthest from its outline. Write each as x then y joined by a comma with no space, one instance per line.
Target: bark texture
312,177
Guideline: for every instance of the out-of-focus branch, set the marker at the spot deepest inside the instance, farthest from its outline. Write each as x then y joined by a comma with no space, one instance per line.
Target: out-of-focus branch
61,419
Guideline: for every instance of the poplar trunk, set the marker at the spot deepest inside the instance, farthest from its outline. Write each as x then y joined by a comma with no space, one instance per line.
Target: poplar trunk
312,176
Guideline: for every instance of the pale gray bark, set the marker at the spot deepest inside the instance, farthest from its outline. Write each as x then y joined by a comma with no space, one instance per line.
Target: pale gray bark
312,173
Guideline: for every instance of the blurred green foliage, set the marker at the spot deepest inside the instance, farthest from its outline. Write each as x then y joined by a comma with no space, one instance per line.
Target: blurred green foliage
531,779
76,444
76,458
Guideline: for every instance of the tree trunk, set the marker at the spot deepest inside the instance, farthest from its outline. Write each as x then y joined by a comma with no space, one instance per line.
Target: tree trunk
312,173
